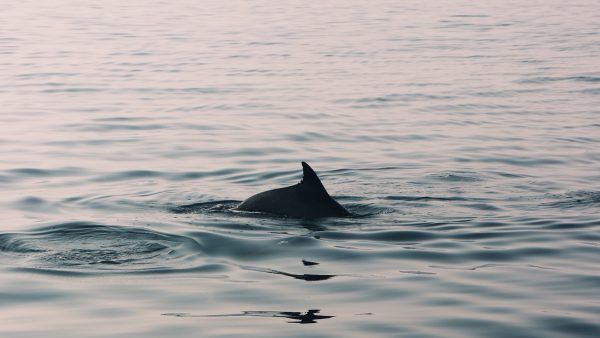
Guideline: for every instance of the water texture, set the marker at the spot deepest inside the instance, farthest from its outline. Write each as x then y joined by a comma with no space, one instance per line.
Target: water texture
462,136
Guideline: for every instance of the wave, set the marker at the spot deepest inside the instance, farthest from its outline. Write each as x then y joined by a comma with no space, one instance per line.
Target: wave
96,247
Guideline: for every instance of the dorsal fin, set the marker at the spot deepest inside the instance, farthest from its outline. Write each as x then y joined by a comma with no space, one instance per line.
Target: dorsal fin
310,178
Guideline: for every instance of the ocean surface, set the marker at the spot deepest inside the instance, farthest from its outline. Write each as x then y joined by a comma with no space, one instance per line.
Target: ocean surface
464,138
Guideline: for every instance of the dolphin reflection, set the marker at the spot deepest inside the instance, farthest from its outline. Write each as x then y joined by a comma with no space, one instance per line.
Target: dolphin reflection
309,317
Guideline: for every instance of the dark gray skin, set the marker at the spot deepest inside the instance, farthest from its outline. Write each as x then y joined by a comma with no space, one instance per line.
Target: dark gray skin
307,199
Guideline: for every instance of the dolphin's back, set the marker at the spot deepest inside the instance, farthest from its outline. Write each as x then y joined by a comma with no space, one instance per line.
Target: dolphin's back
277,201
307,199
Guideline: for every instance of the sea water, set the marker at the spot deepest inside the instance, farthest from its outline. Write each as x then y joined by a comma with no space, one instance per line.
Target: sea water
464,138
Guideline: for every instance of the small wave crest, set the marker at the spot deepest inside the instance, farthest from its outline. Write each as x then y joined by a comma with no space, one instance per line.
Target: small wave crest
222,206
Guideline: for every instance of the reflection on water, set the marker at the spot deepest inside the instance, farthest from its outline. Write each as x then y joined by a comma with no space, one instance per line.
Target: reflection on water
305,277
309,317
461,136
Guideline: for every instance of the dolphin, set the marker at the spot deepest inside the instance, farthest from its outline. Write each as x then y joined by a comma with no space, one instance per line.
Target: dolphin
307,199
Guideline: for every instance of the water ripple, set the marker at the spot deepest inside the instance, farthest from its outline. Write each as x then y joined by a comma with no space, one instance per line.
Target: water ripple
93,247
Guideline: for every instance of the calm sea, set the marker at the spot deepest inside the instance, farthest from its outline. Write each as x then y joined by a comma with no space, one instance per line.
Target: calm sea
463,136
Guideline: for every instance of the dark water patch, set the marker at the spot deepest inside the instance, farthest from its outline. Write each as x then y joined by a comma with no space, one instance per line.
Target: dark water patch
47,74
515,161
95,247
426,198
571,225
395,236
514,254
438,224
444,301
481,206
308,317
502,93
197,126
62,272
417,272
494,234
37,295
108,203
579,139
421,255
469,16
387,329
471,268
193,175
268,175
509,174
36,204
399,97
72,90
570,325
539,267
587,91
112,127
205,271
391,100
479,327
220,107
129,175
536,224
252,152
41,84
186,90
309,137
121,119
93,142
590,280
546,79
350,171
37,172
576,199
466,108
244,155
492,255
